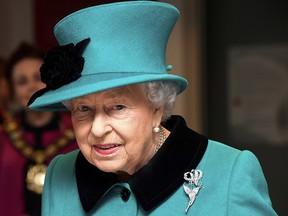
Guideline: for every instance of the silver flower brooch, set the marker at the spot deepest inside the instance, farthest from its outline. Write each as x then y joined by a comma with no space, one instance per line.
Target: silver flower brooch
192,185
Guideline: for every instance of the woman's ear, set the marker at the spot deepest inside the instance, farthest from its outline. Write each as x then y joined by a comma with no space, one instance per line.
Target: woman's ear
158,113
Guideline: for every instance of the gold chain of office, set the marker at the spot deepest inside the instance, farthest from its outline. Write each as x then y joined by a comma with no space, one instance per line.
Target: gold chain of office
36,173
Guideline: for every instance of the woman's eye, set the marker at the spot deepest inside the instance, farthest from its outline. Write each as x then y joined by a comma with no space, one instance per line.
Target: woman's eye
22,81
83,108
118,107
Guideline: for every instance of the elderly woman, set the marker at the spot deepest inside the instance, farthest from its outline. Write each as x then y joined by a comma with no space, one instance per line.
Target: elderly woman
135,158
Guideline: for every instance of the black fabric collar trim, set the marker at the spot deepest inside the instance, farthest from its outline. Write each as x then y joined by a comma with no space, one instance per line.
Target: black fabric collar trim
163,175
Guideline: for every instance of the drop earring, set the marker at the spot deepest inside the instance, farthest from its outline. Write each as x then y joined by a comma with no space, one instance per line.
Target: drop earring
162,137
156,129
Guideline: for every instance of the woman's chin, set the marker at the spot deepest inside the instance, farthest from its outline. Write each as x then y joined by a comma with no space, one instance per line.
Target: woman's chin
109,166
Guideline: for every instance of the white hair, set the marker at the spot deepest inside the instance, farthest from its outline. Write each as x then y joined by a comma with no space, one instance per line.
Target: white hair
162,94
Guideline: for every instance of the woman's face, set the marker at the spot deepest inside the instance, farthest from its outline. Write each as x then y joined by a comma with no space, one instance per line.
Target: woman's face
26,79
114,128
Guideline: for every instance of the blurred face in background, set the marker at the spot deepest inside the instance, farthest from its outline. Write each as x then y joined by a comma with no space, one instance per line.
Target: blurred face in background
26,79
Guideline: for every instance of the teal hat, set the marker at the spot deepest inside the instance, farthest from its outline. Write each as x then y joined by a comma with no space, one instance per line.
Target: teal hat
108,46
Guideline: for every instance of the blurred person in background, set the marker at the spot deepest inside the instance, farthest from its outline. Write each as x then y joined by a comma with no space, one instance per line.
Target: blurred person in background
29,139
4,91
4,95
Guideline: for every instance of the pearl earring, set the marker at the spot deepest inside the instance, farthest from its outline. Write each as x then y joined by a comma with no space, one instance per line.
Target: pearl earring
162,137
156,129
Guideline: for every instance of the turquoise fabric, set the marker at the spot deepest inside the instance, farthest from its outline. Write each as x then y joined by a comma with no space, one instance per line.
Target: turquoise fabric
127,46
233,183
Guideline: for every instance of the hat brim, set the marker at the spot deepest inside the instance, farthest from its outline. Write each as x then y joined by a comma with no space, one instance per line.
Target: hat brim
92,83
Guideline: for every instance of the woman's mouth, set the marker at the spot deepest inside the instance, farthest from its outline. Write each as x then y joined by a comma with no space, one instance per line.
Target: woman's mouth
106,149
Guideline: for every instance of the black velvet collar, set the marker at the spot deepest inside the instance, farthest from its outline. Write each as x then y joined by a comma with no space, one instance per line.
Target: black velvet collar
163,175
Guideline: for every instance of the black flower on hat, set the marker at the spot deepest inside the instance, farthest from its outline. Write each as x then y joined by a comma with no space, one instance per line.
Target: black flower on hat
62,65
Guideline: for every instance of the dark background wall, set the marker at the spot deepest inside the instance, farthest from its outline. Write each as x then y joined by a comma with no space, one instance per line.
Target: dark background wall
242,23
49,12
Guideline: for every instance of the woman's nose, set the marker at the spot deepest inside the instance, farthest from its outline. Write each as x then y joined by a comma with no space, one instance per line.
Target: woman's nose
100,125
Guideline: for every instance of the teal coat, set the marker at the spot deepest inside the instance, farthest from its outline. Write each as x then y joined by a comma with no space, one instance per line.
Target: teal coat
232,184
